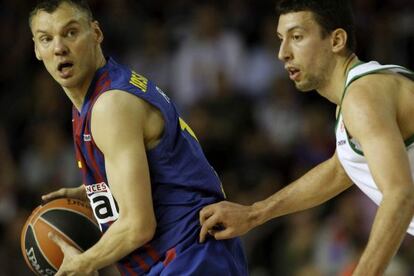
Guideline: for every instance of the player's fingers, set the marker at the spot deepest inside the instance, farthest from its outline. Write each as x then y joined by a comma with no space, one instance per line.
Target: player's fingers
55,194
203,233
227,233
56,239
205,213
207,225
76,190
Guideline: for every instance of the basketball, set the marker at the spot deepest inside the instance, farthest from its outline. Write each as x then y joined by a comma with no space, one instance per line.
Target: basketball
72,220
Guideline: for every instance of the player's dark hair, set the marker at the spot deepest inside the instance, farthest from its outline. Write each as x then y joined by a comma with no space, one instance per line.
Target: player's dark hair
329,14
50,6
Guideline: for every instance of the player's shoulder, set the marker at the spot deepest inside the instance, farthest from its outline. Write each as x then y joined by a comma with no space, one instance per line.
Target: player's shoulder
368,101
118,102
373,89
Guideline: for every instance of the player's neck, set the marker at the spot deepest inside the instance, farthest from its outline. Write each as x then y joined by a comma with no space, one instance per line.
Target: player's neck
335,82
76,96
78,93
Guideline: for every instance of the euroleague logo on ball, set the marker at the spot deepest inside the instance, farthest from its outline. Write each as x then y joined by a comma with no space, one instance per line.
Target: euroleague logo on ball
31,256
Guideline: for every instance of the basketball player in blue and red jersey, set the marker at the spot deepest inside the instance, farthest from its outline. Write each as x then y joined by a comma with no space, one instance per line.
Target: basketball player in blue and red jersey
144,171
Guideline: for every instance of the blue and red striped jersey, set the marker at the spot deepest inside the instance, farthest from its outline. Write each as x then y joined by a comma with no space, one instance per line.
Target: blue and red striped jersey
182,179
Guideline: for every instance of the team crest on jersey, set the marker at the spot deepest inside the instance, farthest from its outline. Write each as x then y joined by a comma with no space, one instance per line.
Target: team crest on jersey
87,137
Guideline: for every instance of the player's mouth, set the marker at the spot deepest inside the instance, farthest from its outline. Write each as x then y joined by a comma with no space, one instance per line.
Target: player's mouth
294,73
65,69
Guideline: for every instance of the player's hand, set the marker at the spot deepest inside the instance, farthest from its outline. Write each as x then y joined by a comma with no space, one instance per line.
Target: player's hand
225,220
76,193
69,266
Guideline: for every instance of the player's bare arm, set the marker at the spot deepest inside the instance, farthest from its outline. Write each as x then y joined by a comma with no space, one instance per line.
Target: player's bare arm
373,113
123,145
320,184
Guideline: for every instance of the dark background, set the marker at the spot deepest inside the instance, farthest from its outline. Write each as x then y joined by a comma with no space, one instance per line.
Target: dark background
218,61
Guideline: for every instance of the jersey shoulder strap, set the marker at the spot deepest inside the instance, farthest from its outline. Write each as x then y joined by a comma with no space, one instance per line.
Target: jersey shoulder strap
371,67
363,69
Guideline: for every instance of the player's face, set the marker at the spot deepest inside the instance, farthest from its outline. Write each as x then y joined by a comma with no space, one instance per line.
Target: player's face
68,43
305,53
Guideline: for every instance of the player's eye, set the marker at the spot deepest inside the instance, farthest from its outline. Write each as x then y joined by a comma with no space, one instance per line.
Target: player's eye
297,37
71,33
45,39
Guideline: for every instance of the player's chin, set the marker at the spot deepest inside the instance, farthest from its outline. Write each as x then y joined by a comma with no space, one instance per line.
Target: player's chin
303,87
67,82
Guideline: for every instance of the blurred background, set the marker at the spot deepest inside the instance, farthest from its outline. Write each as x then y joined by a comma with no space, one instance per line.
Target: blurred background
218,61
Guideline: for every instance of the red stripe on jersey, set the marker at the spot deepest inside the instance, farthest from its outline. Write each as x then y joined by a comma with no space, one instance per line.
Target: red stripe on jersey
152,252
77,124
102,77
129,269
100,86
79,158
169,256
89,148
95,167
90,153
141,263
103,86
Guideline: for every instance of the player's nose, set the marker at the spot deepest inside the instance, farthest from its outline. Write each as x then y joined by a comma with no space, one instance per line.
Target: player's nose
60,47
284,53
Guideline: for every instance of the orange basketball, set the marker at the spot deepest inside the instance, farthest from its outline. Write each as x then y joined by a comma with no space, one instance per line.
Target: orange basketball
70,219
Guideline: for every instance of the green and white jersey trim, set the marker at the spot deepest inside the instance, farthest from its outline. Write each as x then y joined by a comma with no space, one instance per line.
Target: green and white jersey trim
348,149
363,69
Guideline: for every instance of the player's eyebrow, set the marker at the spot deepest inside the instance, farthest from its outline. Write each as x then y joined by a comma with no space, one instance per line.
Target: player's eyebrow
73,21
41,31
291,29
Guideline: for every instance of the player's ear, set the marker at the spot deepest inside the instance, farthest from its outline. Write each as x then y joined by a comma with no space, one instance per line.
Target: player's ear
36,51
97,31
339,37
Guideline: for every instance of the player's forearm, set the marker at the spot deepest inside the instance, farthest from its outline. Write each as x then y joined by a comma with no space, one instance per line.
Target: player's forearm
317,186
389,228
120,240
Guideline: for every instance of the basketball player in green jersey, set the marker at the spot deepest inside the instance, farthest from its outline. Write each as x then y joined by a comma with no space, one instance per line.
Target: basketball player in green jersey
374,132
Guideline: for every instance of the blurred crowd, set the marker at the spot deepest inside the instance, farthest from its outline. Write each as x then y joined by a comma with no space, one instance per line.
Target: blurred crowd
218,61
